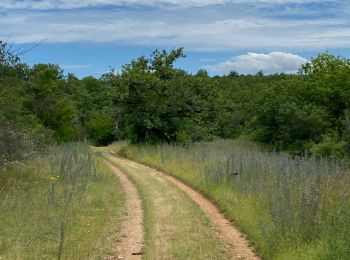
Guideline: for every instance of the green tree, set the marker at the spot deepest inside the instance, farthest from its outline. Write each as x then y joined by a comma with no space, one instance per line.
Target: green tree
161,103
48,101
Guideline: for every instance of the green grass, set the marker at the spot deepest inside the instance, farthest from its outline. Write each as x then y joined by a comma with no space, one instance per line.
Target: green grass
175,227
62,205
290,208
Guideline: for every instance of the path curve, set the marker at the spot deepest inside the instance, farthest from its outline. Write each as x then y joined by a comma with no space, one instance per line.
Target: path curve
131,241
235,242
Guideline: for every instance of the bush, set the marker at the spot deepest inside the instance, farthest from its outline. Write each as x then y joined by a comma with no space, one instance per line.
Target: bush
101,131
330,146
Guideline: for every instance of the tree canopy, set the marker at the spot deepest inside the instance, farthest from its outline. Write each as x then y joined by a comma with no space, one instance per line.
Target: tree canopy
152,101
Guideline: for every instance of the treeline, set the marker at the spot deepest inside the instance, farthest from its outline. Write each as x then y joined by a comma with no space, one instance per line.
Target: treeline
152,101
39,106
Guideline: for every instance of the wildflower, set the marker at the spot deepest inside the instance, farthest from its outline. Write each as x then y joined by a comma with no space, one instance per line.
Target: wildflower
53,178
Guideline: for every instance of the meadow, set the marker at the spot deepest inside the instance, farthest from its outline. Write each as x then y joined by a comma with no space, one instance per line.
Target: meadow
289,207
64,204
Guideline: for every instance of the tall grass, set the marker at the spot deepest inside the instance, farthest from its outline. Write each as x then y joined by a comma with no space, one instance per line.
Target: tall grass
63,205
290,208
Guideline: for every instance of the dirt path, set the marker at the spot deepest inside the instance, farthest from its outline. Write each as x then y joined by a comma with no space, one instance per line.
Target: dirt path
175,227
180,223
131,242
234,241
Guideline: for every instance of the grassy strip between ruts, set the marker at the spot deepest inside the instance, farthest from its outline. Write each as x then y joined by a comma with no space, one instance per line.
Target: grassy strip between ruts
64,205
289,208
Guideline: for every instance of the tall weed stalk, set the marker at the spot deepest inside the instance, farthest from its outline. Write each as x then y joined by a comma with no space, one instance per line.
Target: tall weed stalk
289,207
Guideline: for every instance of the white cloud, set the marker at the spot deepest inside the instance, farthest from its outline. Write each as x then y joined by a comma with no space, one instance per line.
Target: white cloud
198,35
251,63
69,4
203,29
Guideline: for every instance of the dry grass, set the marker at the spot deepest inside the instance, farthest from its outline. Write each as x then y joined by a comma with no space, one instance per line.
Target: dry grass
290,208
63,205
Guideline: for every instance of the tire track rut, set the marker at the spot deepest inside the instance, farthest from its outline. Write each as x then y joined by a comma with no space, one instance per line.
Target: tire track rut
132,234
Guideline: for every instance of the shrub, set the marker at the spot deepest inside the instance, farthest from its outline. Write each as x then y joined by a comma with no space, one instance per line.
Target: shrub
101,131
331,146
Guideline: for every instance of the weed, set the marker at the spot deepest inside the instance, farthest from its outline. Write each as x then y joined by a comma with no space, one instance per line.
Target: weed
283,204
48,205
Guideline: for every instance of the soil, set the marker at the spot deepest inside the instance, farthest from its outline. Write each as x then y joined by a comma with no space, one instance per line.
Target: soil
130,243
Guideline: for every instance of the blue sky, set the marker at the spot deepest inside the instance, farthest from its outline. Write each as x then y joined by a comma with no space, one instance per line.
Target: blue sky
88,37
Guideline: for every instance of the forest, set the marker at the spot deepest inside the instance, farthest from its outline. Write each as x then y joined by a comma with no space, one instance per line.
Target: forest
151,101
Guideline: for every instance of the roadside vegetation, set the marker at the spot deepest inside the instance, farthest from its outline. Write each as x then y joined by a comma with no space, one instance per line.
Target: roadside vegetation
290,208
56,200
61,205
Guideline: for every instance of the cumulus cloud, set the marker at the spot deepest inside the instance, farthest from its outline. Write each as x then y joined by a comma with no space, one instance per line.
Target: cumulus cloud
68,4
251,63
